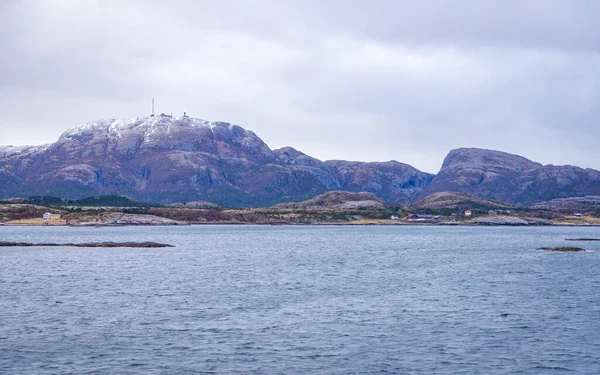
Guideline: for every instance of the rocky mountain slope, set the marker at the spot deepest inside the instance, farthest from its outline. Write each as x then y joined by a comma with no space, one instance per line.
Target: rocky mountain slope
511,178
165,160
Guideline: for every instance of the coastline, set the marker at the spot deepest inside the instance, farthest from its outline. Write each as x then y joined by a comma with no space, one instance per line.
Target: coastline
447,224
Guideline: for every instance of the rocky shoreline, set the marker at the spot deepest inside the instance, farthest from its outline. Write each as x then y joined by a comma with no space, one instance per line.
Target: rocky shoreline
510,220
121,219
167,222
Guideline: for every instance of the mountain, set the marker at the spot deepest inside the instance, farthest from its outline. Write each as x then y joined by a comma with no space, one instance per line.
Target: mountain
164,159
337,200
510,178
168,160
447,199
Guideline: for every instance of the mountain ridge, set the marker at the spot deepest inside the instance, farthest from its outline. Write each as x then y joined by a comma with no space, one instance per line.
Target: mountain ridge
510,178
165,160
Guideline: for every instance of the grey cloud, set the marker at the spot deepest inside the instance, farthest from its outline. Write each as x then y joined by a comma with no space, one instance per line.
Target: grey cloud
358,80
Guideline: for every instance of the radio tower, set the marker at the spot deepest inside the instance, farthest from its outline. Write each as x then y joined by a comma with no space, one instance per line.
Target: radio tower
152,115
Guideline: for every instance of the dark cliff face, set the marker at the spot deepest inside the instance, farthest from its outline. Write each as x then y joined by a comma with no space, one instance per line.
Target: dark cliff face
510,178
164,159
393,181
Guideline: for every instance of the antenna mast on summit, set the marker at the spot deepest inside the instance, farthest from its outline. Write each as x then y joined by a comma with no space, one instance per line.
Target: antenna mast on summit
152,108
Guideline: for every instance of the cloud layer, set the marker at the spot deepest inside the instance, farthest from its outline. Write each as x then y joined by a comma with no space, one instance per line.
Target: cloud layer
357,80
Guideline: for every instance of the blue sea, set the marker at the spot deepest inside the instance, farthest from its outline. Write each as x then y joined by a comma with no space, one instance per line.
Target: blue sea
301,300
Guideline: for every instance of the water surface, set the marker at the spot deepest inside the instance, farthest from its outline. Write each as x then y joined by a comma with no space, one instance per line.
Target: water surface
300,299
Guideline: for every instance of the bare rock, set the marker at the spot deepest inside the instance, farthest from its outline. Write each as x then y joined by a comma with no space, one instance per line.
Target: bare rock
499,220
117,218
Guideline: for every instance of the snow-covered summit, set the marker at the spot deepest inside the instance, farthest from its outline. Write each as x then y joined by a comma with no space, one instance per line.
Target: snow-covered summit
165,132
146,123
6,151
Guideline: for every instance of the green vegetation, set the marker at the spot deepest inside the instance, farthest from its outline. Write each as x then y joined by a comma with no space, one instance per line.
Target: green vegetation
107,201
99,201
45,200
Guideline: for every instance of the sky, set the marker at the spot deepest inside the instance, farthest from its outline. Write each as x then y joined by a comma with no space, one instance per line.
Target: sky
360,80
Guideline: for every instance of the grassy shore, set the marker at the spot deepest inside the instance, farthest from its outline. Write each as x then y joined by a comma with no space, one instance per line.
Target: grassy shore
36,221
27,214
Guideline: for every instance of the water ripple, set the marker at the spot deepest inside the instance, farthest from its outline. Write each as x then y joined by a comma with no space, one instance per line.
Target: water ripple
301,300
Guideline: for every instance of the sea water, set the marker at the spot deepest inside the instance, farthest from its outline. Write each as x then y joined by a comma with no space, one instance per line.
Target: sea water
301,300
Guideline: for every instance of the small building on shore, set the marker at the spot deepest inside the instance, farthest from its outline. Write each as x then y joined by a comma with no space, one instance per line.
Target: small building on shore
418,217
468,213
51,216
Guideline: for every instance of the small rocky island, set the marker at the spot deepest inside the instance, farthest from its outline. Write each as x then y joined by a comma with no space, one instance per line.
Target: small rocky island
562,248
88,244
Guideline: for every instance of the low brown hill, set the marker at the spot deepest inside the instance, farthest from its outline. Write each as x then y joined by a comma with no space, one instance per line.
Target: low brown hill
337,200
195,204
448,199
587,203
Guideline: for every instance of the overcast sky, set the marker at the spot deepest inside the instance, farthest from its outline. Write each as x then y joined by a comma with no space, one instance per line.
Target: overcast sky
357,80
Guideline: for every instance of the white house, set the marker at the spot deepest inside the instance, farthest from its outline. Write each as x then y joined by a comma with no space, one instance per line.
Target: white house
51,216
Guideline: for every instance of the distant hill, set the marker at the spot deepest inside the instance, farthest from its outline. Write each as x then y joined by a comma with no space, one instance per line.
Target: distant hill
510,178
337,200
446,200
587,203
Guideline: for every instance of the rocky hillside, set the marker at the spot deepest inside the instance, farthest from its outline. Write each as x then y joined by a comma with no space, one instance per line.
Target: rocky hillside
178,160
447,199
337,200
511,178
166,160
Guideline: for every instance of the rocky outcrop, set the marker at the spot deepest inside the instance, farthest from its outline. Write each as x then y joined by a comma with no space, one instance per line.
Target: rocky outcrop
562,248
508,220
511,178
165,160
337,200
117,218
